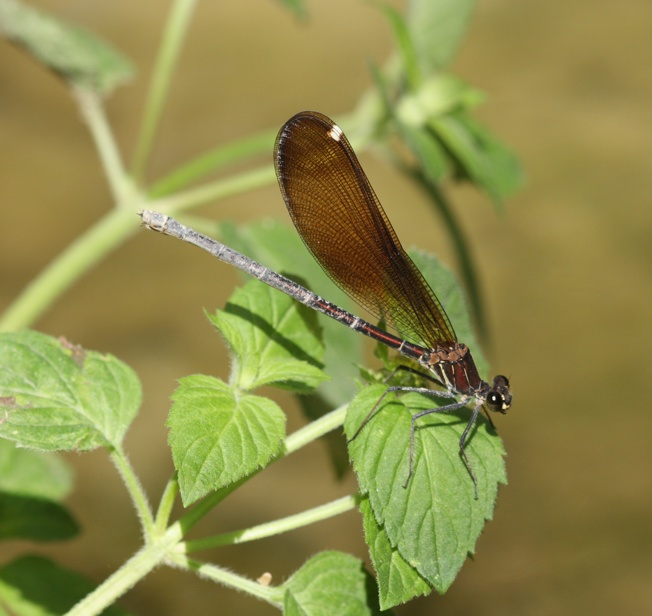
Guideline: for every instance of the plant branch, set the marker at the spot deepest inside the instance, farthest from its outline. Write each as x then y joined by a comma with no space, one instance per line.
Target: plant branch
116,585
270,594
315,429
276,527
166,504
220,189
213,160
135,489
92,110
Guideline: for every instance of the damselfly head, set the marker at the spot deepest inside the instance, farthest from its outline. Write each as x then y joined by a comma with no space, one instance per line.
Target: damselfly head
499,396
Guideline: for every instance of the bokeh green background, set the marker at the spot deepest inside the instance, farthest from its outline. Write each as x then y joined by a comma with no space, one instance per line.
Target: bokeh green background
566,270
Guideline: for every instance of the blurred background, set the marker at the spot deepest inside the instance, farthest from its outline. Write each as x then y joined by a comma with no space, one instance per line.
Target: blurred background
566,272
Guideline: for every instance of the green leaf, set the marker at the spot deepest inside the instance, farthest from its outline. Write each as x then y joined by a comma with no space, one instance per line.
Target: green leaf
331,583
437,29
279,247
33,473
273,338
73,52
397,581
433,522
218,436
57,396
36,586
35,519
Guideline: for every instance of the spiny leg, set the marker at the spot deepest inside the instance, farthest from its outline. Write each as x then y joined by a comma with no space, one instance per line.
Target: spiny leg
465,434
420,390
441,409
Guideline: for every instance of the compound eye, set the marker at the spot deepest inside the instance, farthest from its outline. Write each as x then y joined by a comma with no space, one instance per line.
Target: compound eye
496,402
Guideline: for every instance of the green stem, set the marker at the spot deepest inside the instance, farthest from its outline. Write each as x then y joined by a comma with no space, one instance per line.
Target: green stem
165,506
221,189
117,225
111,230
167,548
270,594
211,161
315,429
135,490
135,569
207,504
103,237
276,527
92,110
173,37
59,275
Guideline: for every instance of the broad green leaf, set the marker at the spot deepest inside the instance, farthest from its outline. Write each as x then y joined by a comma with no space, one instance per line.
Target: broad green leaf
218,436
433,522
331,583
437,29
73,52
279,247
58,396
274,339
35,519
397,581
33,473
36,586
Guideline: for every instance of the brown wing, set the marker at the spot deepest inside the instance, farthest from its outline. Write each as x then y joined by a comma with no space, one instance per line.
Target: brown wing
341,221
